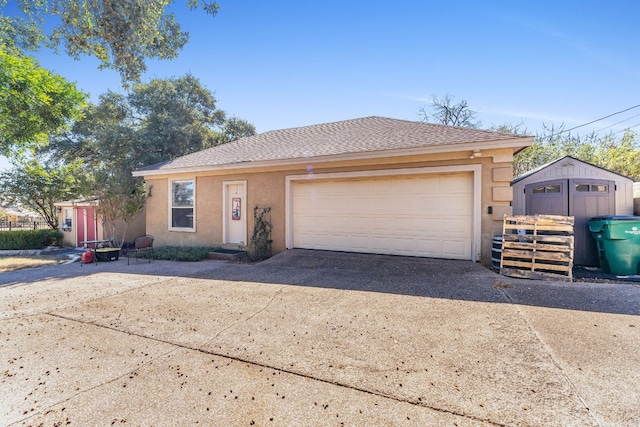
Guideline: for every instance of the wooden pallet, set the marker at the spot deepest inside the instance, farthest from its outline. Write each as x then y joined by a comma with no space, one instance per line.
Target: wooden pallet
537,247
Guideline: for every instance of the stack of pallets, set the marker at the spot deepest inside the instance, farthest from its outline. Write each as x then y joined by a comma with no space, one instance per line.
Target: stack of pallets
537,247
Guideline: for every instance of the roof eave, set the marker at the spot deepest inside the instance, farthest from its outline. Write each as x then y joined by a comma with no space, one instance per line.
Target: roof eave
515,143
91,201
553,162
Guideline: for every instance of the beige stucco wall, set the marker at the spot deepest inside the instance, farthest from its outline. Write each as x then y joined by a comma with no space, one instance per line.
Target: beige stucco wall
263,189
137,227
267,188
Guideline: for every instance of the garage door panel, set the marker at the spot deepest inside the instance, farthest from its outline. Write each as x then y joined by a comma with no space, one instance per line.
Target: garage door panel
408,225
408,215
355,205
456,184
455,203
429,247
428,185
454,226
304,222
402,186
454,248
428,202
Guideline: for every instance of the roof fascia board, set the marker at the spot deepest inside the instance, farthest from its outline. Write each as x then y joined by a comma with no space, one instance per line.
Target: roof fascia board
78,203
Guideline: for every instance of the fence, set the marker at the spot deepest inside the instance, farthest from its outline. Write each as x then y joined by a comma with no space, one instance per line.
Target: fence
23,225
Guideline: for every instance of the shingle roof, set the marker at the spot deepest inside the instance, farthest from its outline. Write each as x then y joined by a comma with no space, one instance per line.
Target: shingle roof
363,135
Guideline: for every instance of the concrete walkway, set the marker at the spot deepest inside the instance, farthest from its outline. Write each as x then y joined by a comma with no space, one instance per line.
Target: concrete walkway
315,338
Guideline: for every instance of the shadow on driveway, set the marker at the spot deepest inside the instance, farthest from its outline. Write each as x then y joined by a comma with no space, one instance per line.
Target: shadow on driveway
428,277
425,277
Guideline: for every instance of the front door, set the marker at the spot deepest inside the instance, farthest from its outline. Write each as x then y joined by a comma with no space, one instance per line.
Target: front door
235,213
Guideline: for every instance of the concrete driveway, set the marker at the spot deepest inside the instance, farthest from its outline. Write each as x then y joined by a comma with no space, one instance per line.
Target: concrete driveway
315,339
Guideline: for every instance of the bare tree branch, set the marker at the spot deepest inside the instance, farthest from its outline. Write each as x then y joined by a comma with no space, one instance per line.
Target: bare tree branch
446,112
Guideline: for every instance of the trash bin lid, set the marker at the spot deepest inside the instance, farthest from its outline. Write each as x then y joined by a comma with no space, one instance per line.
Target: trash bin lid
616,218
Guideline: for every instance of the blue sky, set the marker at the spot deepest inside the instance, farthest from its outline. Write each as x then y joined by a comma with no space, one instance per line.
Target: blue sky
283,64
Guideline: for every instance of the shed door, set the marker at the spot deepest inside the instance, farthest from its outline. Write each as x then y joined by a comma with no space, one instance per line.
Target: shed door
86,225
580,198
80,226
548,198
416,215
587,199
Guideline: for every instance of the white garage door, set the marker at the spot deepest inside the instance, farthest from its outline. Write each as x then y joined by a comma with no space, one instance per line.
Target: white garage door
418,215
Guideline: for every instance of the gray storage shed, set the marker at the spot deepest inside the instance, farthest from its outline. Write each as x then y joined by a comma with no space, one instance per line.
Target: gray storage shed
572,187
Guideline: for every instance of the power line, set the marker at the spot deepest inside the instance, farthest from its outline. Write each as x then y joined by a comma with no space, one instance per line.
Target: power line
602,118
630,127
616,124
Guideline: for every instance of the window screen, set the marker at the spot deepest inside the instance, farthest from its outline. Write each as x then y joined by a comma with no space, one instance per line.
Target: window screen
182,204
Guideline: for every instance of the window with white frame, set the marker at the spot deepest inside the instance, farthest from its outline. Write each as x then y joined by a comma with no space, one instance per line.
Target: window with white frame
182,204
68,218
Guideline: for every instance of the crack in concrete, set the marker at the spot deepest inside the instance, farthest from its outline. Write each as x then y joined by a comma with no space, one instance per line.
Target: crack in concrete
413,402
547,350
112,380
87,301
230,325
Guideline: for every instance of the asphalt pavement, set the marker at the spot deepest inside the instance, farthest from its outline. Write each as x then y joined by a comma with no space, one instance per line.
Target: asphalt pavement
312,338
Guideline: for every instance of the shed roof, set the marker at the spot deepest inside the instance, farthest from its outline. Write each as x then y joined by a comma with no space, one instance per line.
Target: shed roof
553,162
87,201
350,137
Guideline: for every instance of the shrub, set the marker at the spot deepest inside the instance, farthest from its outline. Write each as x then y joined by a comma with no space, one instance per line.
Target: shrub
178,253
29,239
261,238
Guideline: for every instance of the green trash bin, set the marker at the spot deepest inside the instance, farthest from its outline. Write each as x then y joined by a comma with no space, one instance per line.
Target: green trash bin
618,242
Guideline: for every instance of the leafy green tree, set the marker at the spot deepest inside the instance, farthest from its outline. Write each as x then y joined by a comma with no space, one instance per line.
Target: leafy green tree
177,116
618,154
33,103
105,136
37,184
621,155
121,34
157,121
233,128
119,197
105,141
